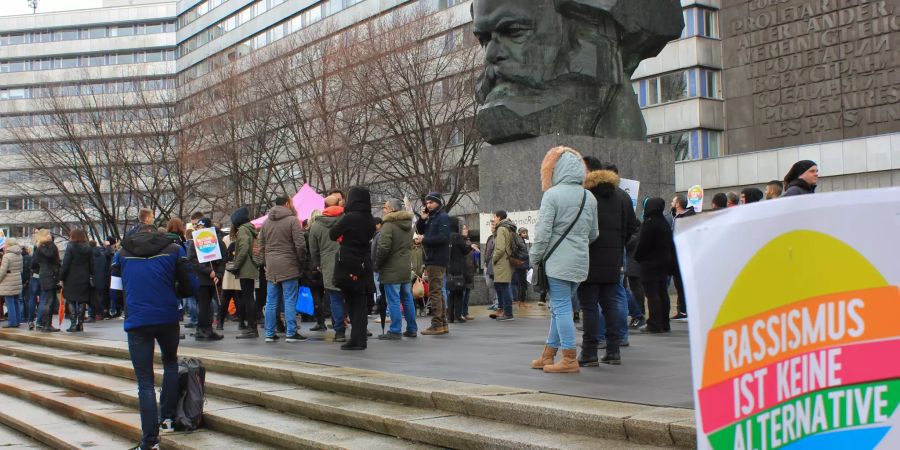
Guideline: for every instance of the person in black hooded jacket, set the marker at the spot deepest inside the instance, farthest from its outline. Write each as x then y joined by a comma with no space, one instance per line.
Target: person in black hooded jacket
656,254
46,263
353,267
617,223
456,272
76,274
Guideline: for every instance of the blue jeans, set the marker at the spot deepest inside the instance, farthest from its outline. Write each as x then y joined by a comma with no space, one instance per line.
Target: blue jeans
504,298
562,323
398,294
33,291
621,305
337,310
287,290
190,304
12,310
141,342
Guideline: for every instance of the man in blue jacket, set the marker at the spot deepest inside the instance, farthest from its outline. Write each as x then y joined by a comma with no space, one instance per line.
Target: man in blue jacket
154,273
434,227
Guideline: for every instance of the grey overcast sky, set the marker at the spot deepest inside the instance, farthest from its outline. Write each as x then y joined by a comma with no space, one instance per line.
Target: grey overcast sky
17,7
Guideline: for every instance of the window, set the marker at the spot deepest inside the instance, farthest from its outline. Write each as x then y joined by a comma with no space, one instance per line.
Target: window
153,28
123,58
676,86
95,33
123,30
14,39
69,62
699,21
692,144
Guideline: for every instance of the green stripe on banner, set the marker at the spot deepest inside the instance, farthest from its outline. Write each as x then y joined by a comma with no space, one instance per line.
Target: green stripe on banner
810,414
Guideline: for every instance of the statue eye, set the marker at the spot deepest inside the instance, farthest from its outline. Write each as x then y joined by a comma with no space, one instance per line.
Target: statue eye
483,38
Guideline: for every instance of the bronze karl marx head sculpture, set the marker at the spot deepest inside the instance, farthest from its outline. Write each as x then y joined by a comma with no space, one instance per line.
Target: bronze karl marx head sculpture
564,66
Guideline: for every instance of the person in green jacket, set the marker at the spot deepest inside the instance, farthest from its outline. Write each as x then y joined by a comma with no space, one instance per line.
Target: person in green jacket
392,262
248,268
322,252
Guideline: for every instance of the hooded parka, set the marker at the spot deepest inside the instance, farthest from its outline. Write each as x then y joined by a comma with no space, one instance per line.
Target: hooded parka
283,245
616,223
11,272
392,256
562,176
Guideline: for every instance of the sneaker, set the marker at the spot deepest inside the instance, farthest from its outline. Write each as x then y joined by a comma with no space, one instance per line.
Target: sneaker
340,337
389,336
492,308
208,336
297,337
190,325
319,327
637,323
624,344
251,333
167,426
410,334
272,338
680,317
505,319
469,318
155,447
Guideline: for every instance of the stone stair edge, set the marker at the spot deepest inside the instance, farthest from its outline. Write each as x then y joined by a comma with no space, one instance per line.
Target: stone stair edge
647,424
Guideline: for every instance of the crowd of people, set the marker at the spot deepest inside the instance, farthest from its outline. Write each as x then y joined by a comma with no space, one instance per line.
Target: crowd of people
591,259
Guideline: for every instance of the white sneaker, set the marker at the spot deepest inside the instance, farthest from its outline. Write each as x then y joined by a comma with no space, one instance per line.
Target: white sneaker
167,426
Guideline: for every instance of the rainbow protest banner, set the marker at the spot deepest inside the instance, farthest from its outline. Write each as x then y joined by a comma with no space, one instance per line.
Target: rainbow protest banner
206,243
794,313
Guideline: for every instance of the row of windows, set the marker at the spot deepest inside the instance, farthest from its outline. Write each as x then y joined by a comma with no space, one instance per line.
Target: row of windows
91,60
692,144
249,12
70,90
29,120
24,204
700,21
22,176
301,20
670,87
97,32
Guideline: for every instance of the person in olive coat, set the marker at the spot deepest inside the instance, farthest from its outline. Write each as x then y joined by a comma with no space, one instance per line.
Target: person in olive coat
392,261
76,275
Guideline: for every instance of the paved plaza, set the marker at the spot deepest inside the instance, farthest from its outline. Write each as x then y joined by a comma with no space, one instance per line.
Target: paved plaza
655,370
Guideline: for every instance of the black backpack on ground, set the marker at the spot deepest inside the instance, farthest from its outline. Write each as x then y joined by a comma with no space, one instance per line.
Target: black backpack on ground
191,394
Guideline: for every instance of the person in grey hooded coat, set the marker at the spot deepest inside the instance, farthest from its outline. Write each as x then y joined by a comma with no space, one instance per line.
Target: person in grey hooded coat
565,206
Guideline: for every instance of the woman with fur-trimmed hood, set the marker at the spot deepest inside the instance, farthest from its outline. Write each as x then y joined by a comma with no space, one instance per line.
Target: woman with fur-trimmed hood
392,261
616,223
565,206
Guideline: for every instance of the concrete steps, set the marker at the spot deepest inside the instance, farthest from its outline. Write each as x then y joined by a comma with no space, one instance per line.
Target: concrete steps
289,404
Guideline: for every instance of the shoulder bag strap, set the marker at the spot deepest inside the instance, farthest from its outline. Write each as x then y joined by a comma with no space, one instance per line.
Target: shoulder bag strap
572,225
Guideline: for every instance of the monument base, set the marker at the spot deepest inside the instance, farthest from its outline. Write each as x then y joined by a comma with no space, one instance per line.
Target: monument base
510,180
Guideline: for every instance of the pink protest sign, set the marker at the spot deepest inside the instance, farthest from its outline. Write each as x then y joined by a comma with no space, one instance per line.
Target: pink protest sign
305,201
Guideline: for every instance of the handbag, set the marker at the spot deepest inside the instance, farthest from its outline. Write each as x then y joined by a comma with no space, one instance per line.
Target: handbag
456,282
539,276
305,304
232,268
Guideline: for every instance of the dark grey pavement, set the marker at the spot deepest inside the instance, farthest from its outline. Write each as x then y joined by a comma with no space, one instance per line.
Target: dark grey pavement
655,370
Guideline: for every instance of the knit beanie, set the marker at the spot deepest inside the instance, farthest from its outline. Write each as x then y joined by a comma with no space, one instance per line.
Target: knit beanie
797,169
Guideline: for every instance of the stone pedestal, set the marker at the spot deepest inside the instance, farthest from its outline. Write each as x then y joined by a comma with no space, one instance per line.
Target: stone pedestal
509,174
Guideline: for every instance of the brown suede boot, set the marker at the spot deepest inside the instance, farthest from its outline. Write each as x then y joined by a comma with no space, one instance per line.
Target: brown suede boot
568,363
546,358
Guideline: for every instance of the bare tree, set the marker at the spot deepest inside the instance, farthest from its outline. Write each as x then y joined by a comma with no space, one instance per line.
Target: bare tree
421,87
316,94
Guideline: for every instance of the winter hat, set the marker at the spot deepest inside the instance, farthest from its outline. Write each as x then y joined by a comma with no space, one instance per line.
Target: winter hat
797,169
436,197
205,222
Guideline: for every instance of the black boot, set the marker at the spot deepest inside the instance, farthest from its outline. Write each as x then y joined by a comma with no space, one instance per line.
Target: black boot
73,318
82,309
612,358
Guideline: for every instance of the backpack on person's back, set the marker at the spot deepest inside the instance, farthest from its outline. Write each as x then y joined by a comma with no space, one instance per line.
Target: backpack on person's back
518,252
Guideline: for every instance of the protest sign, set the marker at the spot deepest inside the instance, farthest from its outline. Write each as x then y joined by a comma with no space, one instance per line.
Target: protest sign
305,201
632,188
522,219
793,326
206,242
695,197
